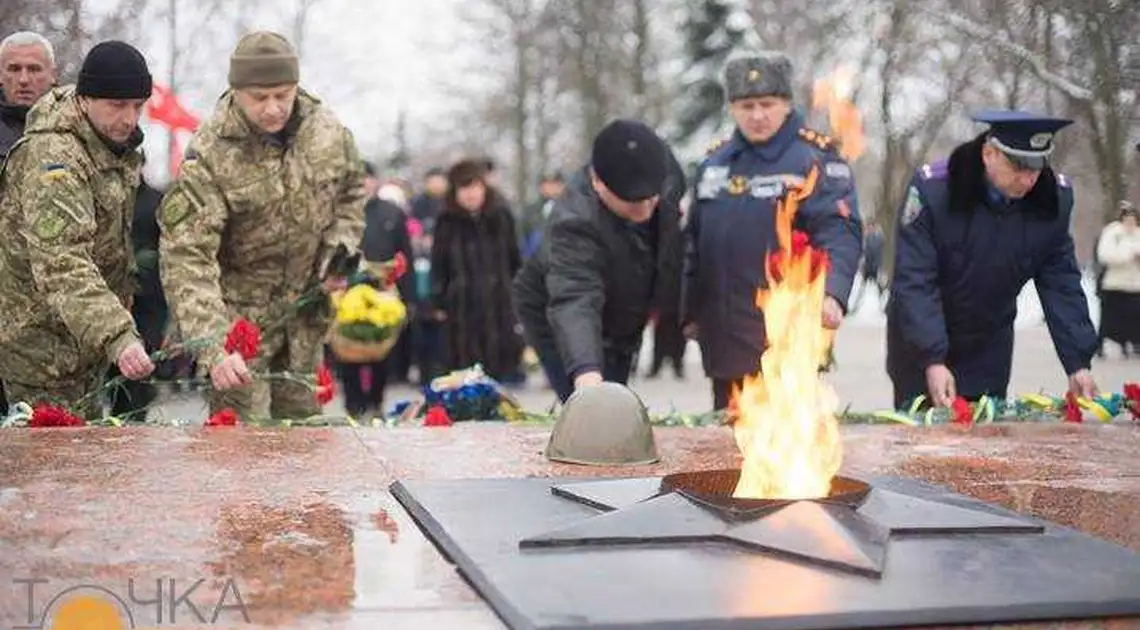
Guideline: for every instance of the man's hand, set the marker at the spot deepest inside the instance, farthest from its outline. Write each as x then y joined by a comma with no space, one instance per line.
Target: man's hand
1081,383
134,363
230,373
587,379
832,313
692,330
940,385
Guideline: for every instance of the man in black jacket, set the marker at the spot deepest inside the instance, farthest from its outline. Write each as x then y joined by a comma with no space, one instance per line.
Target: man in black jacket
612,247
27,72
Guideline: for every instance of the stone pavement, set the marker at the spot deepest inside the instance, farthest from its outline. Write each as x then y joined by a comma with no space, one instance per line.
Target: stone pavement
860,379
172,525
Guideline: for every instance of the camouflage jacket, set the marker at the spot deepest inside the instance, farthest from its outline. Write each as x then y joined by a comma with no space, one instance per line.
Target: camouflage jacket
66,261
251,221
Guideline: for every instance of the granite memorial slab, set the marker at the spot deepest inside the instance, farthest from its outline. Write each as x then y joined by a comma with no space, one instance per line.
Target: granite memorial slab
678,552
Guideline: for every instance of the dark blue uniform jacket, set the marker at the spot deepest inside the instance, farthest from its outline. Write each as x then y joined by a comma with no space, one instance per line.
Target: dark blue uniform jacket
732,228
964,254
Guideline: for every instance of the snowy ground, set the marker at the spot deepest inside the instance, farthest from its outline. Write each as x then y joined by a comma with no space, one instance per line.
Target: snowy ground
859,379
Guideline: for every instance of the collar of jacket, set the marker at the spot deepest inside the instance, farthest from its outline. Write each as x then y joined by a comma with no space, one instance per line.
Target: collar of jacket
235,126
771,150
968,184
58,111
12,114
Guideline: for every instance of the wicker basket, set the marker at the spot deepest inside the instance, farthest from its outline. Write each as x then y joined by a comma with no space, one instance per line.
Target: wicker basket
353,351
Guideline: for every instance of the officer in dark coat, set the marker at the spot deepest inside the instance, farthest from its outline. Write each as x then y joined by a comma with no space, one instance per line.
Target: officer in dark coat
612,245
732,226
972,231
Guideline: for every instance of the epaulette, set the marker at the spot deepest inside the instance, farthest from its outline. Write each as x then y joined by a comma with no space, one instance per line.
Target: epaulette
822,141
1063,182
716,146
935,170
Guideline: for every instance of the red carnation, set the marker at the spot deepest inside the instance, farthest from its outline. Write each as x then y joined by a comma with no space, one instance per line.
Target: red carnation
399,266
224,418
244,338
326,387
961,409
1072,409
800,243
1132,397
44,416
436,416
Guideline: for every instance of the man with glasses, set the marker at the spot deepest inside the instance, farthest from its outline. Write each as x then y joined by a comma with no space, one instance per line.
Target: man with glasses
972,231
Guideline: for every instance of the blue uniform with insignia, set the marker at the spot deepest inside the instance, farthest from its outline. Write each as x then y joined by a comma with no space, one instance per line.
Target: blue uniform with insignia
731,229
964,253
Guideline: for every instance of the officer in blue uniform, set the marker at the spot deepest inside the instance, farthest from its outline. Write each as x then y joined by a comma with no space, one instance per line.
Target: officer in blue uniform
973,230
731,227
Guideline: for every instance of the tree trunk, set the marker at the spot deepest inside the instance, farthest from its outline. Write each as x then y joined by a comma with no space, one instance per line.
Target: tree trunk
520,114
640,58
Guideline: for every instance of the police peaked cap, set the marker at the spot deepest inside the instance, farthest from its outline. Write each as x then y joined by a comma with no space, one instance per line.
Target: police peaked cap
1027,139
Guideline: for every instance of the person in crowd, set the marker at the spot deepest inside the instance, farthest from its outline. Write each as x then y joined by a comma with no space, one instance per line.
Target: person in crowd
612,250
534,216
385,236
427,206
732,227
149,309
474,257
27,72
66,199
271,188
1118,250
972,231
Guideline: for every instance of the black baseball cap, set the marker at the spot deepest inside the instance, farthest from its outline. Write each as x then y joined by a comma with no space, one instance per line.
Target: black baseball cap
630,159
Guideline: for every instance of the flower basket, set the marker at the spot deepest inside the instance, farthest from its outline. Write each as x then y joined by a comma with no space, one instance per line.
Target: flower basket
348,350
368,324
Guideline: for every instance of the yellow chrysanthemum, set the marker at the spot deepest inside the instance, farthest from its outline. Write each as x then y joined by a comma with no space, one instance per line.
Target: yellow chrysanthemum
364,304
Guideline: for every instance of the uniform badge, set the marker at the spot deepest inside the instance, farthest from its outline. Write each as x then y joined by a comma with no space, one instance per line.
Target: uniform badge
52,172
49,225
712,180
174,210
738,185
1040,140
838,170
913,206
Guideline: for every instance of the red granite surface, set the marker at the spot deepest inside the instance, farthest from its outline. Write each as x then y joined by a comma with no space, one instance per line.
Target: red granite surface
301,522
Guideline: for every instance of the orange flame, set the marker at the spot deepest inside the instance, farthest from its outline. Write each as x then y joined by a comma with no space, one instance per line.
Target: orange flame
832,94
786,425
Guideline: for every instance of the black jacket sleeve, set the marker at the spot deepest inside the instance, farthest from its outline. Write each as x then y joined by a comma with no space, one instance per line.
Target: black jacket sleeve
1058,283
830,215
440,265
690,293
914,289
574,282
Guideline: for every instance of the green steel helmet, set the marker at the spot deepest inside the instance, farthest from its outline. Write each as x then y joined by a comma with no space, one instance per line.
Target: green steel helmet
603,425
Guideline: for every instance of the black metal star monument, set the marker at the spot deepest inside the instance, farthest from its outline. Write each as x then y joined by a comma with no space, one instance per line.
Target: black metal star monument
679,552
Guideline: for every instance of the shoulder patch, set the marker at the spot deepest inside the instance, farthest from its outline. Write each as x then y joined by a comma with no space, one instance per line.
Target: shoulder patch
52,171
175,209
715,146
1063,181
913,205
821,141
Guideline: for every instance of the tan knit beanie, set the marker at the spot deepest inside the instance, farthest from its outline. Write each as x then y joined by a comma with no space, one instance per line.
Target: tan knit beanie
263,58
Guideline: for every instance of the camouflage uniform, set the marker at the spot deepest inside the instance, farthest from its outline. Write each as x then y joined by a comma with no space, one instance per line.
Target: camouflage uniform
66,261
248,226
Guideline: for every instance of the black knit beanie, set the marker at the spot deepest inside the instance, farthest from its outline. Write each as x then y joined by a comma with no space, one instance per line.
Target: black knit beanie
114,69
